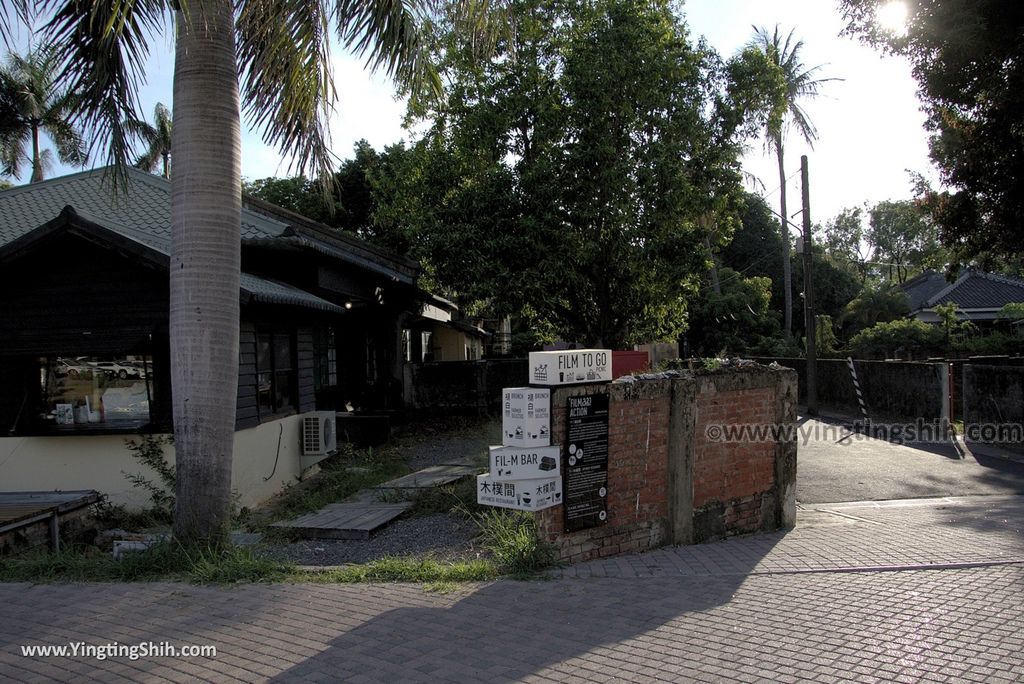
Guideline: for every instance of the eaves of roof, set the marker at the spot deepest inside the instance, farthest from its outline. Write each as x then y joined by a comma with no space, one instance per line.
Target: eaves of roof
155,251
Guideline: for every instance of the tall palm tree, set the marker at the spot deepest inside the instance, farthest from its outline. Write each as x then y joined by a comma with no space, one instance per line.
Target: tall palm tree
800,83
277,53
34,103
157,138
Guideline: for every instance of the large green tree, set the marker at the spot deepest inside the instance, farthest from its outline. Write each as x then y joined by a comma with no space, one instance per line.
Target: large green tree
904,241
968,59
271,57
799,83
570,176
364,198
34,101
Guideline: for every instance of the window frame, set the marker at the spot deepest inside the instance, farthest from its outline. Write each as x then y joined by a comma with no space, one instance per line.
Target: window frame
290,373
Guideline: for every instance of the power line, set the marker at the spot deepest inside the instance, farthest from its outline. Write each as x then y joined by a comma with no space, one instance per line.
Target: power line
777,187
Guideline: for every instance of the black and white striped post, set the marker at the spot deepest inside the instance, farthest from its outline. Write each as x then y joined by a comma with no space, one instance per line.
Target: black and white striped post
860,394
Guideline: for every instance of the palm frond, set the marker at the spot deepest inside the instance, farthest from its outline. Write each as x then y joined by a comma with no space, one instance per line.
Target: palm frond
103,48
150,159
46,162
12,12
12,155
801,82
142,130
287,85
71,148
387,33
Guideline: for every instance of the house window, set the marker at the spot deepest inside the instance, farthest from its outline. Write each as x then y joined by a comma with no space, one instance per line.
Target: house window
325,359
426,352
95,392
407,344
275,373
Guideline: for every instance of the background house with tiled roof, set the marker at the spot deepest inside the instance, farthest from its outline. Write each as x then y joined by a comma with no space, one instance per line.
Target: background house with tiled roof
84,347
978,295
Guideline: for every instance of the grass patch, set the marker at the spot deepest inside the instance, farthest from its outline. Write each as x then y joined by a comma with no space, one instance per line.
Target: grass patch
340,476
514,541
426,570
169,561
440,587
163,561
459,496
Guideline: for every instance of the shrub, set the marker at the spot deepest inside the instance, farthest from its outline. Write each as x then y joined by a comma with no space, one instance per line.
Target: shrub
883,339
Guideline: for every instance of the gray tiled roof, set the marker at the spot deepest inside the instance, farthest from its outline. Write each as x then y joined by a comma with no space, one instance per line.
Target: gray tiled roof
144,219
978,290
148,208
923,287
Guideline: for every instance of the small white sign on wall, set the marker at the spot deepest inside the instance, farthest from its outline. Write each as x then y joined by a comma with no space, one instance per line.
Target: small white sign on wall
522,495
526,416
525,463
570,367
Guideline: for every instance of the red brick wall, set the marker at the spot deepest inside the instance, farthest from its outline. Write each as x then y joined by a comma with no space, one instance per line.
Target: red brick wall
637,484
731,471
733,483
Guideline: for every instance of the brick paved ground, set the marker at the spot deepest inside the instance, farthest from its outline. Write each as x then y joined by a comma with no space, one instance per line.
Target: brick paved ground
741,610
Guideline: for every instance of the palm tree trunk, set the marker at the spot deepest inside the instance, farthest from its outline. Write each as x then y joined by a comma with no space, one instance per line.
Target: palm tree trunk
37,159
205,261
167,164
787,275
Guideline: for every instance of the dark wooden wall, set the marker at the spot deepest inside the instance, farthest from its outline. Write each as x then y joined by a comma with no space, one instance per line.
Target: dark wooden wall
248,411
77,298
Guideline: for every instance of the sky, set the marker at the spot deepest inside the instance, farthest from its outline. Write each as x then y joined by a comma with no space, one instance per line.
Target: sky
870,127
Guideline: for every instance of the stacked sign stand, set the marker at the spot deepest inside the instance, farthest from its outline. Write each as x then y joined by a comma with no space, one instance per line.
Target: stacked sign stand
526,470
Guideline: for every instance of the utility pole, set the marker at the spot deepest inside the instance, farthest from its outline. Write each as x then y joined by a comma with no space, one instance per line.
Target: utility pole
809,322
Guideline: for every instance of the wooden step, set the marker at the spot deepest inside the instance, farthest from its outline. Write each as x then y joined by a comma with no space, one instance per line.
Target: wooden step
353,520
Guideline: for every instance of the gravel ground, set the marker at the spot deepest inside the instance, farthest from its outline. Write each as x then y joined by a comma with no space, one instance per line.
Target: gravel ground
438,445
445,536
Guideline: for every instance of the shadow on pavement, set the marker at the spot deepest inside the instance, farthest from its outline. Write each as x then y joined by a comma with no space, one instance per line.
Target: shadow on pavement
509,630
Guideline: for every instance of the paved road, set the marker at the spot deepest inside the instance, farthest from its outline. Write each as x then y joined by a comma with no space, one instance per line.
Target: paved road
835,465
911,591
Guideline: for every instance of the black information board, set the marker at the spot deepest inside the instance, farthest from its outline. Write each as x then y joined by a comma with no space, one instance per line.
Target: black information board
586,462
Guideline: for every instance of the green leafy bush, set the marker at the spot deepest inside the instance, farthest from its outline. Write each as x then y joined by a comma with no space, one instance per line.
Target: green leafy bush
883,339
149,451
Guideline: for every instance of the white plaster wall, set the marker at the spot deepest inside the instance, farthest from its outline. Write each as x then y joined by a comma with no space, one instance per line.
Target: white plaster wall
255,451
99,462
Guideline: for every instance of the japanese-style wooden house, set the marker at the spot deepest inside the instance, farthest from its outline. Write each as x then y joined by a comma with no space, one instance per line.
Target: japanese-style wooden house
84,341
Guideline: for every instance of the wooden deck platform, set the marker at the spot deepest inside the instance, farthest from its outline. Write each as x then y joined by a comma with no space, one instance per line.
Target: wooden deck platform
21,509
433,476
371,509
355,520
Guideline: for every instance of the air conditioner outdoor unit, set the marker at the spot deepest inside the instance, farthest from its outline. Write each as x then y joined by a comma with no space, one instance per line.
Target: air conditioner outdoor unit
319,435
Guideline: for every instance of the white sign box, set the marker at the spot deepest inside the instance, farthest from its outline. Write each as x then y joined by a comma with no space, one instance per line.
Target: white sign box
570,367
526,416
522,495
525,463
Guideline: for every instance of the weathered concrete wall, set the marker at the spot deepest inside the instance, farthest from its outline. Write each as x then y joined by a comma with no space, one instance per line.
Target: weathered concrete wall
993,404
894,390
673,475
